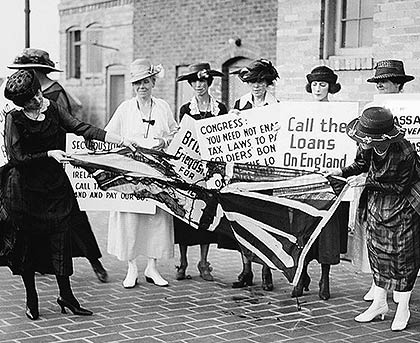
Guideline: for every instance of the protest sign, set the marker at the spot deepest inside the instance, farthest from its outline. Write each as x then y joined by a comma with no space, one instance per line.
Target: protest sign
87,192
406,109
186,148
311,135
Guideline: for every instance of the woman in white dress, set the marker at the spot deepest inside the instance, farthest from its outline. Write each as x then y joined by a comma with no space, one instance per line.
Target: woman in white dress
143,118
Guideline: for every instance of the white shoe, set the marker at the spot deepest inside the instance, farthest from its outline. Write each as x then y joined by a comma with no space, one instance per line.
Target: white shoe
370,294
400,320
372,312
153,276
131,278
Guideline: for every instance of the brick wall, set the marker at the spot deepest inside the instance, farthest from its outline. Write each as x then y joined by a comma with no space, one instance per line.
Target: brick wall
396,35
174,32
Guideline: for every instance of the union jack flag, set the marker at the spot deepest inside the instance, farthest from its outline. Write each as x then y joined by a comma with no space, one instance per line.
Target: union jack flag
275,214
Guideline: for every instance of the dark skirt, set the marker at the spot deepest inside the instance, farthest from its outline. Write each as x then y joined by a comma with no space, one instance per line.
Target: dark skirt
186,235
393,241
332,241
83,240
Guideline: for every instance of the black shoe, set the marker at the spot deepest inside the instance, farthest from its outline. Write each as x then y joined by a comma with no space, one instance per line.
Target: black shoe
303,284
99,270
75,308
32,313
244,279
267,279
324,288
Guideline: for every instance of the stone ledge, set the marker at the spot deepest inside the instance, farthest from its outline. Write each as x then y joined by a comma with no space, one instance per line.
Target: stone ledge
350,62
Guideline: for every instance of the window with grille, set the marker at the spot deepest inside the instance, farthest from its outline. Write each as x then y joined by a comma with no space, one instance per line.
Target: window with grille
347,33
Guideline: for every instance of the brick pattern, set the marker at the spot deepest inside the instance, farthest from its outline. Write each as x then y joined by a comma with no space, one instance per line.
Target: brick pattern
196,311
396,35
175,33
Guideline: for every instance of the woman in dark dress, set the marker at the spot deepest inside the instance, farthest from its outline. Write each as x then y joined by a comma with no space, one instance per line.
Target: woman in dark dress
259,75
332,241
389,208
84,243
37,193
201,106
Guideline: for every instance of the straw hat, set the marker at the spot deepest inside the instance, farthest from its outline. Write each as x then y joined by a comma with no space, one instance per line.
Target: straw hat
142,68
390,69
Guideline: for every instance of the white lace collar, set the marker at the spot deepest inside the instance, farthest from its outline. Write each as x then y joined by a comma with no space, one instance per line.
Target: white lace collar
213,108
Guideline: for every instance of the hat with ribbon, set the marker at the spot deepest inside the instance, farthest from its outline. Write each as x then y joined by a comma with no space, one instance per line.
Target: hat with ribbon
199,71
323,73
374,127
21,86
258,71
33,58
390,69
141,68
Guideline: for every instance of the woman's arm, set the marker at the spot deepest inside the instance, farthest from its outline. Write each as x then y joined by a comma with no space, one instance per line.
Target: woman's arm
398,182
360,164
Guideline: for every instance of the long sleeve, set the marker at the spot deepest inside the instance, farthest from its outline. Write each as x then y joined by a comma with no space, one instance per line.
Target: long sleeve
14,150
399,182
359,166
74,125
172,125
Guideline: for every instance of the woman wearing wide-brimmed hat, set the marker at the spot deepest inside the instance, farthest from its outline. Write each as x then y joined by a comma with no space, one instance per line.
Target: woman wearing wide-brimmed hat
149,122
36,192
390,78
389,207
83,240
332,241
202,105
259,75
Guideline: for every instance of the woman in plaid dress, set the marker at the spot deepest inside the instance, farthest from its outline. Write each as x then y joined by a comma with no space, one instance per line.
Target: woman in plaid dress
389,208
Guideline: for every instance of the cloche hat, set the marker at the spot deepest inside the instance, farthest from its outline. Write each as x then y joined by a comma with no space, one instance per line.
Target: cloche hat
199,71
33,58
323,73
141,68
374,127
390,69
21,86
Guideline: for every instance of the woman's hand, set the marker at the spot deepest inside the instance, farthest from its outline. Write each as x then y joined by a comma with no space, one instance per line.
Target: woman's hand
234,111
356,181
332,172
160,145
128,143
59,155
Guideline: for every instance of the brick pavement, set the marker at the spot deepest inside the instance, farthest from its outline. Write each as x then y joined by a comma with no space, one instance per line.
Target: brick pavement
196,311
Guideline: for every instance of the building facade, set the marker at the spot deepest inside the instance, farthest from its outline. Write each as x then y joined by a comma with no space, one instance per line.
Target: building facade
100,38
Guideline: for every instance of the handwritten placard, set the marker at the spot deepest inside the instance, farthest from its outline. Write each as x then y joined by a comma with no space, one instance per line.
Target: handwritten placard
88,194
406,109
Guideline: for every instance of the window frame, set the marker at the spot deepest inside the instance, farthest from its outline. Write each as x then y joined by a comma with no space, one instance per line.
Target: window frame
74,58
338,49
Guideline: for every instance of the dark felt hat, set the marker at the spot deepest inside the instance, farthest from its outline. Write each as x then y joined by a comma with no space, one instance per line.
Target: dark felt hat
323,73
390,69
21,86
257,71
374,127
33,58
199,71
